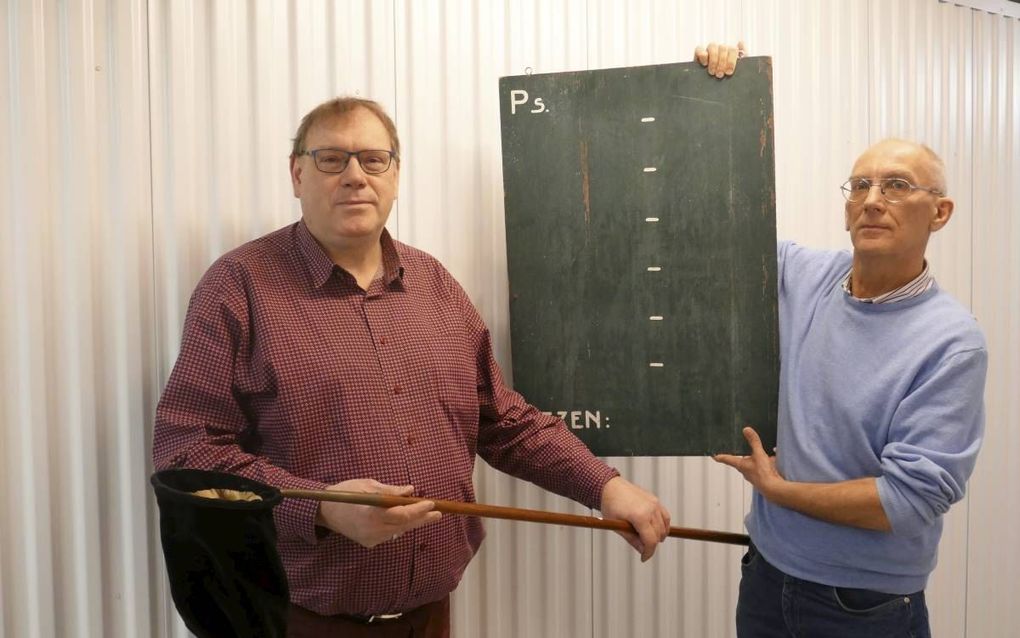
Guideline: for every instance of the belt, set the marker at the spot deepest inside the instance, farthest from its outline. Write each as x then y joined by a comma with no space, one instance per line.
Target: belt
313,624
374,619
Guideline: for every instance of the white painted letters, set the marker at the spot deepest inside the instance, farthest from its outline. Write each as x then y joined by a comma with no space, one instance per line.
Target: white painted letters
582,419
520,96
517,96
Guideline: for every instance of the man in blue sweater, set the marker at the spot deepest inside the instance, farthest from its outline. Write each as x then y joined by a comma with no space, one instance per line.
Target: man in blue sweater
880,417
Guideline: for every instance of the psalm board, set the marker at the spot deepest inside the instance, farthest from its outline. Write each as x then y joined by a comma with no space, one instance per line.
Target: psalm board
640,218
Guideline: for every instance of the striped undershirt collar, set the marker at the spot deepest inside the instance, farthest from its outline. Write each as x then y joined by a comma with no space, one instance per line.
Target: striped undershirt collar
915,287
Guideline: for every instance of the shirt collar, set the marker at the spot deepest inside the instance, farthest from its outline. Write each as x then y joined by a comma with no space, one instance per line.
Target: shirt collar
913,288
320,266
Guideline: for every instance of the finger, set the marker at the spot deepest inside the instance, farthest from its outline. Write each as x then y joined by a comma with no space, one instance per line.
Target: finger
649,536
662,528
701,55
666,520
633,540
731,61
728,459
754,441
741,49
402,515
713,58
394,490
649,550
658,526
428,519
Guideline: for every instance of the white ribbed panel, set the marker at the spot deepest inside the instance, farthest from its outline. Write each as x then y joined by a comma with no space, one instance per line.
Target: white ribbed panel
77,333
993,554
141,140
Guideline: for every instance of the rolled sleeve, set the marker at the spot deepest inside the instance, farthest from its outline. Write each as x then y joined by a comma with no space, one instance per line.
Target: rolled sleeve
935,440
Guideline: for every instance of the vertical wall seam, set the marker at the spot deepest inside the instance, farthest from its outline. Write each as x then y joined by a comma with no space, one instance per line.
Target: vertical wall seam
972,123
869,41
157,592
396,99
591,543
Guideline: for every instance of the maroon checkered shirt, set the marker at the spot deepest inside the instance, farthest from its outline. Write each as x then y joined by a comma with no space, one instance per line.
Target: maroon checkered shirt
291,374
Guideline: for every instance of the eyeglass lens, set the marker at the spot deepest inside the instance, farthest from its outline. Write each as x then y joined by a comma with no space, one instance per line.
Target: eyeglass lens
894,189
329,160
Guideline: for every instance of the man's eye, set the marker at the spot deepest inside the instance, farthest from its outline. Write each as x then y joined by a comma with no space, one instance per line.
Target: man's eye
376,160
897,185
860,185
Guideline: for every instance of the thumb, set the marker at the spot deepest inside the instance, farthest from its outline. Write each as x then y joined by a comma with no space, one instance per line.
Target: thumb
753,439
395,490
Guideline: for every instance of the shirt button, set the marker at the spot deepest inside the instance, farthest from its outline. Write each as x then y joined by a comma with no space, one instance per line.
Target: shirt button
397,390
410,439
382,341
423,547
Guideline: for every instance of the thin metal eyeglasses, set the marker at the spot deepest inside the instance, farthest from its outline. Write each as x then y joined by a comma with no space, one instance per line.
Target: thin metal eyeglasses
894,189
335,160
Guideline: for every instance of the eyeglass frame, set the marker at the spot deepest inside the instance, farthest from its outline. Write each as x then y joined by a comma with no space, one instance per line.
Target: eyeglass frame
882,183
313,153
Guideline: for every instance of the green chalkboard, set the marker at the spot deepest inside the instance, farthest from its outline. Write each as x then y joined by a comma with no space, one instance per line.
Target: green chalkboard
640,217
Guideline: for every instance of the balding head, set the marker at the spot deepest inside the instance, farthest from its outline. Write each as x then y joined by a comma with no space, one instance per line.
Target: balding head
925,163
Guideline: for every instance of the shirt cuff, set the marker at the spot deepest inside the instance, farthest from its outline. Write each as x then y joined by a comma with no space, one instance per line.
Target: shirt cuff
295,517
599,479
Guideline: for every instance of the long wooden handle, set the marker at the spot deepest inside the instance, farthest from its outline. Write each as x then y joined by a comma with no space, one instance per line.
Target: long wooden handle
511,513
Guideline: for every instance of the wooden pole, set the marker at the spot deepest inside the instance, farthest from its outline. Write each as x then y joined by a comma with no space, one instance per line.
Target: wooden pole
510,513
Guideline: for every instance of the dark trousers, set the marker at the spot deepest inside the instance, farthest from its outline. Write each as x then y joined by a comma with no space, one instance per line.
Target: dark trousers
428,621
773,604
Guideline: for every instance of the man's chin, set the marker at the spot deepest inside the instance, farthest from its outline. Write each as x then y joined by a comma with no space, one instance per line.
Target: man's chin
360,235
361,226
871,241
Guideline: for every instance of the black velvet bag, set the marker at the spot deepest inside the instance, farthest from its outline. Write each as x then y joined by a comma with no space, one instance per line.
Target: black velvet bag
225,575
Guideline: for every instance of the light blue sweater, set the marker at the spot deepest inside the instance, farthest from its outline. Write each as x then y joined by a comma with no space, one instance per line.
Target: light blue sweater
893,391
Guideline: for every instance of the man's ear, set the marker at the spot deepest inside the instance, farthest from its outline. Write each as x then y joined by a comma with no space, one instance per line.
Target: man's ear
943,211
295,175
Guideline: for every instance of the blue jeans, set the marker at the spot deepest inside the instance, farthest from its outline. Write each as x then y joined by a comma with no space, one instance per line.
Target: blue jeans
773,604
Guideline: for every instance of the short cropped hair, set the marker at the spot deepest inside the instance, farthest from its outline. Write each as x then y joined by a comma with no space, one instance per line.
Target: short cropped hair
338,107
936,166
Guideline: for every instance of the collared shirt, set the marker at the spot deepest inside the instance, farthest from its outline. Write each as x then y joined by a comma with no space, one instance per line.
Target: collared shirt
289,373
913,288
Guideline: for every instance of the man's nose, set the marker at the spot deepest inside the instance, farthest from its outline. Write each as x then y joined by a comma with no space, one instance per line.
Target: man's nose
875,197
353,176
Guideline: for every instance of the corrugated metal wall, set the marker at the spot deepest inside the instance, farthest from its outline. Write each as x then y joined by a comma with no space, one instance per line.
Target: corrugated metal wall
140,140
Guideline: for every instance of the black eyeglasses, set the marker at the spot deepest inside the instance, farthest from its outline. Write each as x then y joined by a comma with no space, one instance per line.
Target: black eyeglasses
894,189
335,160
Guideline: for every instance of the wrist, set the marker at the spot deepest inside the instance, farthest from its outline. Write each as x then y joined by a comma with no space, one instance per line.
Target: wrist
600,496
776,490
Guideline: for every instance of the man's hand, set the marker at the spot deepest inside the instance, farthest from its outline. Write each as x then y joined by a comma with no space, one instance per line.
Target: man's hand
854,502
720,59
759,469
368,526
623,499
